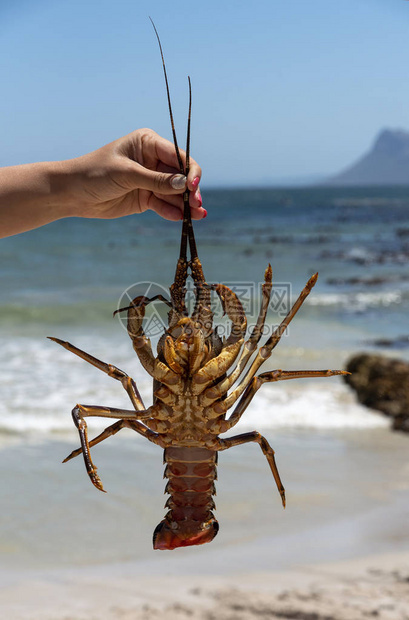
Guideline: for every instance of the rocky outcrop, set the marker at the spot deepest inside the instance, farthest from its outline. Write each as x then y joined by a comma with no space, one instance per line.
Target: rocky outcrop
387,163
383,384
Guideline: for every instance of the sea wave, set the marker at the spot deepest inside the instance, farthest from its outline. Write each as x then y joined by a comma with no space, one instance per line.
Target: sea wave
92,312
331,406
357,301
42,382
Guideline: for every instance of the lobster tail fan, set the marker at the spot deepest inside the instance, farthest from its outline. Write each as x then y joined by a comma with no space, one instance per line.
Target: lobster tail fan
171,535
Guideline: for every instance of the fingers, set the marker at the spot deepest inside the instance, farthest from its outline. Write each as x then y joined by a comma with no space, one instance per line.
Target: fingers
198,213
194,176
169,185
171,207
167,155
164,209
167,188
136,176
172,213
148,163
195,199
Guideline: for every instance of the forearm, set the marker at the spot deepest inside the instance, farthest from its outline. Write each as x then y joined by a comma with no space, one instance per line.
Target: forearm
32,195
127,176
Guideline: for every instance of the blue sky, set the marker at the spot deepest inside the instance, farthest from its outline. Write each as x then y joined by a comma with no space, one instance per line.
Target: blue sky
281,88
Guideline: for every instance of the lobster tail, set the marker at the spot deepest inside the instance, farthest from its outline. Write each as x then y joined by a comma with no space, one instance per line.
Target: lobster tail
190,521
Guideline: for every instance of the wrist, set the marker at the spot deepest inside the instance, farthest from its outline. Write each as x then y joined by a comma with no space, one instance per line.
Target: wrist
62,180
32,195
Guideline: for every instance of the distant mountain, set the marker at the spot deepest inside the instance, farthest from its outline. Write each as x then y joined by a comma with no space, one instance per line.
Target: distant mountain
387,163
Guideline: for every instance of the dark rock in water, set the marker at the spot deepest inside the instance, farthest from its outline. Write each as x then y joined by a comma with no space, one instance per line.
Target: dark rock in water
387,163
367,281
383,384
362,281
359,256
400,342
280,239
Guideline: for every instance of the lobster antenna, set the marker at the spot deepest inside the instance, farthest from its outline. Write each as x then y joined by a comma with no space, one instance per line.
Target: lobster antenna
192,242
187,228
186,209
169,102
188,128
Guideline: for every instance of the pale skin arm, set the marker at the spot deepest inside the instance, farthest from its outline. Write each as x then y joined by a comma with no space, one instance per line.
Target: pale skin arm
131,175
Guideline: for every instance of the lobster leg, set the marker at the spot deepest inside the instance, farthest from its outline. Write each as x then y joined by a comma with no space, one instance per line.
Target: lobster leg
112,430
232,306
81,411
251,344
141,344
255,385
265,351
108,432
143,301
221,388
217,366
268,451
220,406
112,371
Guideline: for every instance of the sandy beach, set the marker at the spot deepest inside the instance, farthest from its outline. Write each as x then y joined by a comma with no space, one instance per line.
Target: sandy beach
376,586
340,551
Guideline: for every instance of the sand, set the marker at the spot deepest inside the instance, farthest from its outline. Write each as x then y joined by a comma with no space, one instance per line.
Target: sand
372,587
340,551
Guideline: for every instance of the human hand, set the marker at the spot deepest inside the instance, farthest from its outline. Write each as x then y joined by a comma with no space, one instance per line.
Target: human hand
131,175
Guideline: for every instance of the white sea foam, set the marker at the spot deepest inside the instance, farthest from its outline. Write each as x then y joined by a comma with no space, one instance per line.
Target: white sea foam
328,406
42,382
357,301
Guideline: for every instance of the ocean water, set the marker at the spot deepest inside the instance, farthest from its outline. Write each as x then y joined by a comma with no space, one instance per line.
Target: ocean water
66,279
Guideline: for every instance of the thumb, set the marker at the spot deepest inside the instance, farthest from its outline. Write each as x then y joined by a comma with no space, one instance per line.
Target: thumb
159,182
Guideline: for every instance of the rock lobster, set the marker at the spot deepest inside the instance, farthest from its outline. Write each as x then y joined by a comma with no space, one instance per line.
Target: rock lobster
191,386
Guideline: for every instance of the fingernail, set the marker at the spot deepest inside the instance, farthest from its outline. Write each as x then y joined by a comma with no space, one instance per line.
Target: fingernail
205,214
195,182
178,182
